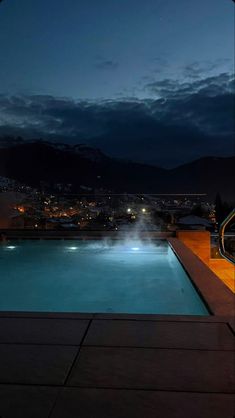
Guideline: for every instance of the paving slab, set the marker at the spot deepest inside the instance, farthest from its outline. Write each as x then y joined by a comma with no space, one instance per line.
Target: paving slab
124,333
42,330
35,364
101,403
159,369
26,401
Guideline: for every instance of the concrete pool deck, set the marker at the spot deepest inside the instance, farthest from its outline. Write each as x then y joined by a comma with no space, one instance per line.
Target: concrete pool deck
119,365
219,299
200,244
116,366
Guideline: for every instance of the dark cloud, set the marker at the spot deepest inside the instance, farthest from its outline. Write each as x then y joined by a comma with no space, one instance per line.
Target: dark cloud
192,71
107,65
206,104
169,88
182,122
197,70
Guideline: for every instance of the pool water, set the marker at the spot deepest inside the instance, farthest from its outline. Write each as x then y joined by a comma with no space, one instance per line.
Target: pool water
95,276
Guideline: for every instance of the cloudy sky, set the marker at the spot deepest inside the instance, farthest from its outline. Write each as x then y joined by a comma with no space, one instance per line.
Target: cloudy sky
145,80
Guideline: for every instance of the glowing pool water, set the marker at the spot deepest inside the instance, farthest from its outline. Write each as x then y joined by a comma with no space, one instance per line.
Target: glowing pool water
95,276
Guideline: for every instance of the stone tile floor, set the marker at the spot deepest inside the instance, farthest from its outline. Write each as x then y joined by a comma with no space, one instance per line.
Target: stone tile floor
116,366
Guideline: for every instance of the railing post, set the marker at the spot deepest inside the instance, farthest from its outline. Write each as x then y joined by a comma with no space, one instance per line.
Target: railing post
222,248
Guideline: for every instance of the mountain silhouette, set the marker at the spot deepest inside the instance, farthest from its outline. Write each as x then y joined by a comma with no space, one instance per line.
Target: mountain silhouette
34,162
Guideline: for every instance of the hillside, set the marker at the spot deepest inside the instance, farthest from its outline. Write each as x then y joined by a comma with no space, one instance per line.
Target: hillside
33,162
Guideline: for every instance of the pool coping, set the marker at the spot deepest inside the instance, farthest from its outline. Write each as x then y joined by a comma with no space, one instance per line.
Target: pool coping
219,299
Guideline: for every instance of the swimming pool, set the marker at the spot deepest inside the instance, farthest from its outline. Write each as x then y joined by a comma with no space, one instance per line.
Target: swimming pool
96,277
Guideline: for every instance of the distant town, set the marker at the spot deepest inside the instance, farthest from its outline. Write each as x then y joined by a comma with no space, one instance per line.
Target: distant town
24,207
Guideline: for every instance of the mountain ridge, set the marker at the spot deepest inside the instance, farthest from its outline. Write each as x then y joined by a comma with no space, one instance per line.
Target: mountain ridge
35,161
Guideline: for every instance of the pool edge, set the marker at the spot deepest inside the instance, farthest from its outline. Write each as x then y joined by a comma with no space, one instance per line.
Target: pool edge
217,296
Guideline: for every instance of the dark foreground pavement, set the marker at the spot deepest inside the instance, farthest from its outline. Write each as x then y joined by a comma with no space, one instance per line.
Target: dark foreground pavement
116,366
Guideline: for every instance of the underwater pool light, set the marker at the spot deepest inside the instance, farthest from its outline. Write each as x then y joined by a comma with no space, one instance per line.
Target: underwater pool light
11,247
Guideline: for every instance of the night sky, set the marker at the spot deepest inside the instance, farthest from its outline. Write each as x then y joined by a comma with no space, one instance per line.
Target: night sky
145,80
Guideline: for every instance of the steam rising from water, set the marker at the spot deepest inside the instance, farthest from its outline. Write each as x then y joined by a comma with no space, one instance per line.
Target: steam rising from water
130,238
